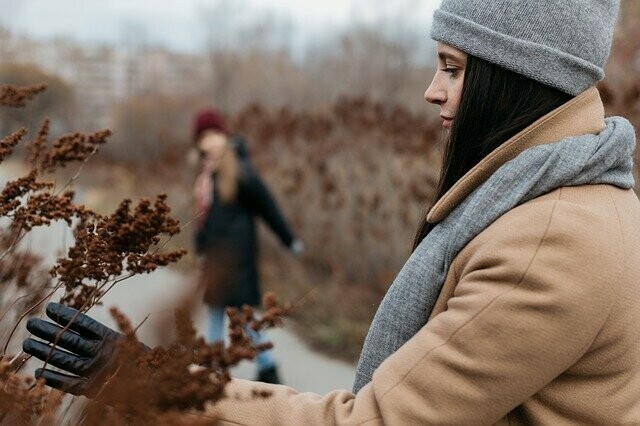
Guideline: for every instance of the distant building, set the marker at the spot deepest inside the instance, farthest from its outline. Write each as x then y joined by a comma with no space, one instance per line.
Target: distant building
102,76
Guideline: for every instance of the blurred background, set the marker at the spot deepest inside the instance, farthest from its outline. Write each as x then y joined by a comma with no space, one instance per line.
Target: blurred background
329,95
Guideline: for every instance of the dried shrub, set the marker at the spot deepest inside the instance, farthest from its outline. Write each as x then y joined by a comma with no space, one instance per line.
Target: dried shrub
167,386
173,385
107,250
8,143
23,400
353,176
18,97
108,247
57,103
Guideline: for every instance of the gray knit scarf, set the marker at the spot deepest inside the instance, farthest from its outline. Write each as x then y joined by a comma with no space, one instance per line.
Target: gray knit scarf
606,158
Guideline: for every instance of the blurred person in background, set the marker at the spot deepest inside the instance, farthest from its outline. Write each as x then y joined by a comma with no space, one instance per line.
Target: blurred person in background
229,194
520,303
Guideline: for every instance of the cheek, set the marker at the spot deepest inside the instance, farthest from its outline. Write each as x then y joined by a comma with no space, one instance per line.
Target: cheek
205,145
455,93
217,152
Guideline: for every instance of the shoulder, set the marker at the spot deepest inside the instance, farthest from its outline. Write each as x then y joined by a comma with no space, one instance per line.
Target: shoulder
572,234
251,187
246,172
583,215
239,145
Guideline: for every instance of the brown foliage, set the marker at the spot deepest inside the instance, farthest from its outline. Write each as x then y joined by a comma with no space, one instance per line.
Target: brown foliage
107,250
73,148
23,400
174,385
620,89
151,129
168,386
353,178
34,104
18,97
8,143
107,247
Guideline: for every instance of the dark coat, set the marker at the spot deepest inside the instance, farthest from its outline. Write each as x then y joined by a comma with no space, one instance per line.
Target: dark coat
228,241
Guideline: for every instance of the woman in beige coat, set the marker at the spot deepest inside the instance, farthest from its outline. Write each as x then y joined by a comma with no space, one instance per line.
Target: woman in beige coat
521,301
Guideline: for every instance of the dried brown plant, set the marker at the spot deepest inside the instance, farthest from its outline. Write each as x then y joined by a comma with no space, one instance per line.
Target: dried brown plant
7,144
352,176
168,386
107,250
173,385
23,400
18,97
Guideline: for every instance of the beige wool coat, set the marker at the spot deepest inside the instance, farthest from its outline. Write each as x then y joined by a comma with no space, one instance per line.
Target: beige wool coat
538,321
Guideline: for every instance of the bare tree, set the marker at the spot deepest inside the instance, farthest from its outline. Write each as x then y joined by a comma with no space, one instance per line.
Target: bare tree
258,42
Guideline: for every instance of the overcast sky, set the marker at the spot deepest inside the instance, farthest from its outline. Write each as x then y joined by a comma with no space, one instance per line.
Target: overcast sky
179,24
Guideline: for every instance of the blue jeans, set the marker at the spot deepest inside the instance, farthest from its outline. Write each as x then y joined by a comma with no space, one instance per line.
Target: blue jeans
217,317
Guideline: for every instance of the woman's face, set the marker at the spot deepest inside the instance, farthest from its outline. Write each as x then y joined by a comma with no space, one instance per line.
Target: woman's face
212,146
446,88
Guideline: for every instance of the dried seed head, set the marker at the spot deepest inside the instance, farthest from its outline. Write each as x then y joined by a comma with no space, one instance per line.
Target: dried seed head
18,97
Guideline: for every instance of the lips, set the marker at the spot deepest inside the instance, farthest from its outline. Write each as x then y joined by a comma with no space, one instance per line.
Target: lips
446,121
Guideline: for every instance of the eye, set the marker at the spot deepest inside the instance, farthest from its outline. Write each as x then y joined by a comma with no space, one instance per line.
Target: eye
451,70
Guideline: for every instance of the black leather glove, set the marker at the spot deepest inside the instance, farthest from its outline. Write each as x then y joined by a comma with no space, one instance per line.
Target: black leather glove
90,350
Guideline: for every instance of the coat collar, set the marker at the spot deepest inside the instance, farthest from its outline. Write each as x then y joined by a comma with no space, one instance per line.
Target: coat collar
582,115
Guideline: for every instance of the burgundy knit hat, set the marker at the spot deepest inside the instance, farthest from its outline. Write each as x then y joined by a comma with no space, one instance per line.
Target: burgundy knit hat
208,119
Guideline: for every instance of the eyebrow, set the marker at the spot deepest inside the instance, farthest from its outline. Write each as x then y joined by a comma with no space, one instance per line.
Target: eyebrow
446,55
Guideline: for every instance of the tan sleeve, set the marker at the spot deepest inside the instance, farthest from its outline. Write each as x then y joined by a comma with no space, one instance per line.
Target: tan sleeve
285,406
528,305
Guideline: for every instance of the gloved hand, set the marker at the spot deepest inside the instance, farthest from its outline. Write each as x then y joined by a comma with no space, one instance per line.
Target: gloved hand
297,247
91,349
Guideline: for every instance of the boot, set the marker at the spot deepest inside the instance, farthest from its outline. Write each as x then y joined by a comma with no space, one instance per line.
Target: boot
268,375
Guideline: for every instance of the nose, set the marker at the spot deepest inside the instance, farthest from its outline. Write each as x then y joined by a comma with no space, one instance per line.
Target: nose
434,94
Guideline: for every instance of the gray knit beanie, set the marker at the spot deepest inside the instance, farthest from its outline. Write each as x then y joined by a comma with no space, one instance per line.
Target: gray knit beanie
561,43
